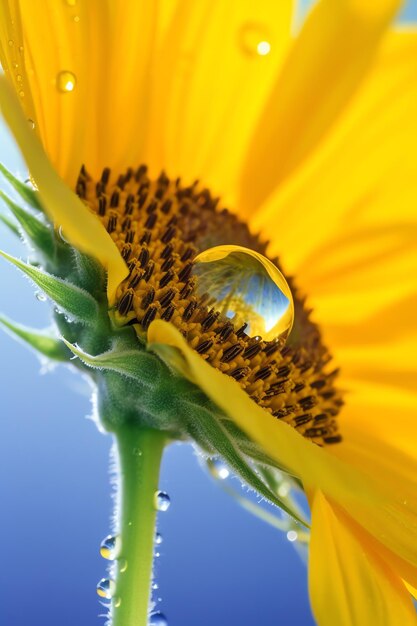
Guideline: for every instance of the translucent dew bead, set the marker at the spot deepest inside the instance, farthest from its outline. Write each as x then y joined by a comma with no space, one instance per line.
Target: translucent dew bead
244,286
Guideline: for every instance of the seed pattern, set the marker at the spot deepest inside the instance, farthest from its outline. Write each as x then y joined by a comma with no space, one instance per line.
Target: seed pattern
159,227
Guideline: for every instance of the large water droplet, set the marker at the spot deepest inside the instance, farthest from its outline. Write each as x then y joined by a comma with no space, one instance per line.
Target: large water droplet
246,287
219,469
158,619
158,539
106,588
110,547
292,535
162,501
254,39
66,81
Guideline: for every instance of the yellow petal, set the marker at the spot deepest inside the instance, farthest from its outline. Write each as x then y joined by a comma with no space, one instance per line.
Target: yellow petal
362,271
325,66
86,70
211,76
363,176
350,584
80,227
382,512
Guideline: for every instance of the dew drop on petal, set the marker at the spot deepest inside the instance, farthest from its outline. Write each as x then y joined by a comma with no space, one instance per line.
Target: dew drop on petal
158,619
11,42
110,547
106,588
246,287
158,539
219,469
31,123
162,501
66,81
292,535
254,39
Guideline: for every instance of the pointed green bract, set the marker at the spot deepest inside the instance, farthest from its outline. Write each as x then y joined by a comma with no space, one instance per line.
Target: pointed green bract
40,235
10,225
137,364
25,192
72,299
205,428
43,343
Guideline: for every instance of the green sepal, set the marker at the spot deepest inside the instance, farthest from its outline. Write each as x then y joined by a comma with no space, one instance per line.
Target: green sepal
29,195
72,299
10,225
39,233
206,429
134,363
42,342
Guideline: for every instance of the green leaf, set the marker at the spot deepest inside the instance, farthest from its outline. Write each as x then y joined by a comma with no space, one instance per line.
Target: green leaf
72,299
29,195
135,363
41,342
205,428
40,234
10,225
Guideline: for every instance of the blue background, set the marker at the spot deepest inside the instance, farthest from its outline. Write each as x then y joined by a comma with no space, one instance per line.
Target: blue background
219,565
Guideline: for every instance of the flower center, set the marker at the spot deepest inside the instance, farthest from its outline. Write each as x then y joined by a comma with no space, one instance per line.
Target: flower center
166,233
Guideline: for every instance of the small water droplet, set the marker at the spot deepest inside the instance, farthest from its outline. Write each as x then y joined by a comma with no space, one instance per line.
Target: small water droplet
117,602
19,78
122,565
66,81
283,490
61,234
137,451
15,65
106,588
76,18
157,555
110,547
162,501
158,539
40,296
21,93
31,123
155,586
11,42
20,48
246,287
254,39
219,469
292,535
158,619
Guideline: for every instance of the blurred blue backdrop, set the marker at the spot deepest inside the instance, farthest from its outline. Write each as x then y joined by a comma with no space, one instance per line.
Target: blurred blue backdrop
218,565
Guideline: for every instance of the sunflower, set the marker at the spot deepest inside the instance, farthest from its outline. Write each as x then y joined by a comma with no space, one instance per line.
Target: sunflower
136,118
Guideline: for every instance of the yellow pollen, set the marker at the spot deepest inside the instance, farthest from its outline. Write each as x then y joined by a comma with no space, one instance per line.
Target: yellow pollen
160,226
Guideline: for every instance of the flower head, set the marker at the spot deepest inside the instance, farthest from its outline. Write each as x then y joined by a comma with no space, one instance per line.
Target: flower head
308,139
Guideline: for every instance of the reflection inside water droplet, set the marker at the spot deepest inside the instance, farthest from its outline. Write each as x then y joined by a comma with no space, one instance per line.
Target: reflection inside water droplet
162,501
219,469
254,39
122,565
106,588
110,547
66,81
246,287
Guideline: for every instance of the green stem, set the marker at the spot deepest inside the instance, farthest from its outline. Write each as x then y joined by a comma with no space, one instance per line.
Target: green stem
140,453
